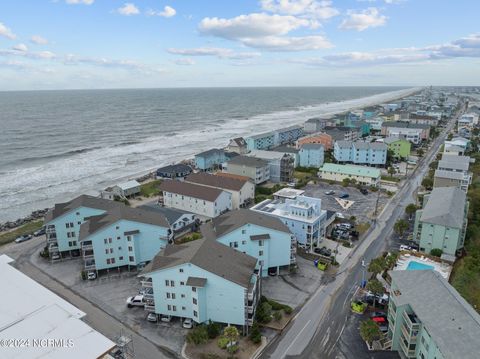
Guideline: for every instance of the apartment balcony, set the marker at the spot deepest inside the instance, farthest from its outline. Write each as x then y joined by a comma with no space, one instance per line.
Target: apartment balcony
409,353
411,321
146,284
410,336
90,265
293,259
150,307
50,230
88,254
51,238
86,245
53,248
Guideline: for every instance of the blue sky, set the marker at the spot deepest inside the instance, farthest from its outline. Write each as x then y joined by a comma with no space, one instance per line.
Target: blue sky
66,44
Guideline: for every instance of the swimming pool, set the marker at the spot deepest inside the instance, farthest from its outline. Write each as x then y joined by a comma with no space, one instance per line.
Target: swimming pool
412,265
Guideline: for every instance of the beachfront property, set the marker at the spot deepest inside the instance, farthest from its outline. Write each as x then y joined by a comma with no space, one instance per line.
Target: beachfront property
375,123
204,201
456,142
414,133
313,125
302,215
442,222
255,168
288,192
423,119
259,235
268,140
418,261
360,152
323,139
453,170
311,155
122,237
290,151
180,222
468,120
399,147
361,174
341,133
241,190
203,280
237,145
30,312
429,319
362,127
126,189
281,164
212,159
176,171
62,223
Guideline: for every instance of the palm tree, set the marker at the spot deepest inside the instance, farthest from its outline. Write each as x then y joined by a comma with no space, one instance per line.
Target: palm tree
376,287
400,227
410,210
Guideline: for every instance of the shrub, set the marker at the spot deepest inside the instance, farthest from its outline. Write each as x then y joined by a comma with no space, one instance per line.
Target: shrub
264,312
288,310
232,349
222,343
83,274
213,329
255,334
436,252
198,335
196,236
277,315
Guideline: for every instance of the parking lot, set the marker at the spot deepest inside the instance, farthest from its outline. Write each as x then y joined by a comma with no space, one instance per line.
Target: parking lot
362,208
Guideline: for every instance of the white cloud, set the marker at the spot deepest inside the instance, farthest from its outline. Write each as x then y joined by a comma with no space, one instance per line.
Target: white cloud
364,19
219,52
168,11
6,32
309,8
77,2
39,40
185,61
128,9
20,47
265,31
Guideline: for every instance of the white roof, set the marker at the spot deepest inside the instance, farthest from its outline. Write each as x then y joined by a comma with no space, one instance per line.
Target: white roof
289,193
127,185
32,311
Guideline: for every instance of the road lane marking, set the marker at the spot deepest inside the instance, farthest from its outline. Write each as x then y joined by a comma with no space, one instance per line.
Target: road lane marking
295,339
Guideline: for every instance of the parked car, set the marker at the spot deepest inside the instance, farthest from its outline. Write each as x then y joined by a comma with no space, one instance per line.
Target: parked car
377,314
91,275
324,251
144,291
23,238
339,215
404,247
166,318
135,301
343,195
187,323
40,232
329,192
272,271
363,191
152,317
55,256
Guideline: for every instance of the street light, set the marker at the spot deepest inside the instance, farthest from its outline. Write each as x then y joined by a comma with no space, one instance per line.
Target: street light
364,266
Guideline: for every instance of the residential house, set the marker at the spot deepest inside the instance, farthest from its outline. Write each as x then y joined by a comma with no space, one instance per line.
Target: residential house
258,235
237,145
375,123
453,150
255,168
203,280
241,190
360,152
400,147
323,139
459,142
122,237
468,120
302,215
281,164
62,223
361,174
311,155
414,133
212,159
176,171
313,125
428,318
423,119
453,170
291,151
287,192
340,133
126,189
442,222
204,201
180,221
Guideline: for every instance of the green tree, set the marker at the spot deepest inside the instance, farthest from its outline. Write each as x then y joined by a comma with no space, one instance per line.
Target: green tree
391,171
400,227
277,315
198,335
376,266
345,182
231,333
376,287
369,331
391,259
411,209
255,334
213,329
264,312
427,182
420,152
437,252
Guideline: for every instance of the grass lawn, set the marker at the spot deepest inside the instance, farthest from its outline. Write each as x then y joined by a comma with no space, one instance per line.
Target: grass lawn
390,178
362,227
27,228
150,189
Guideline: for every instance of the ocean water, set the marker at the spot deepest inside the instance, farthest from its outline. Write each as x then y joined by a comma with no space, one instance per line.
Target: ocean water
55,145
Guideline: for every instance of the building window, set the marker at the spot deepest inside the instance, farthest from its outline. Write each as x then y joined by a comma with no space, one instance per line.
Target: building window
182,295
131,259
182,283
118,238
106,251
130,249
235,244
117,227
129,238
261,263
105,241
244,231
183,308
260,253
174,308
181,270
172,283
194,289
168,295
109,240
195,314
108,260
111,250
120,258
167,283
173,295
169,307
113,260
260,243
244,242
195,301
78,213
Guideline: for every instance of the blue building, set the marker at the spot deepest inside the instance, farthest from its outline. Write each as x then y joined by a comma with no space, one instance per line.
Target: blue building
302,215
123,236
203,280
360,152
268,140
311,155
212,159
62,223
289,134
266,238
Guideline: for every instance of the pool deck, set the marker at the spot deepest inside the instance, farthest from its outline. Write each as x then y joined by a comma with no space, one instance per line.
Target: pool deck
405,258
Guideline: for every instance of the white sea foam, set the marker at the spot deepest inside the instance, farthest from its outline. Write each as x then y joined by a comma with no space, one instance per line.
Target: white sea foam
23,190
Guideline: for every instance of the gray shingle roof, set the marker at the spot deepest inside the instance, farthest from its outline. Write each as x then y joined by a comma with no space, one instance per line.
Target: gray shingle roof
445,206
174,169
450,320
232,220
172,215
196,282
208,179
401,124
81,201
248,161
378,146
209,255
311,146
361,145
344,144
192,190
448,174
454,162
96,223
210,152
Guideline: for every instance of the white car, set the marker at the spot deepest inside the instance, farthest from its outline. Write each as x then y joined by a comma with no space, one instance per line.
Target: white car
404,247
187,323
339,215
166,318
136,301
152,317
91,275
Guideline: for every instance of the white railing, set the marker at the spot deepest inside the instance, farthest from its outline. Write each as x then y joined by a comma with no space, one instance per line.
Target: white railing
146,284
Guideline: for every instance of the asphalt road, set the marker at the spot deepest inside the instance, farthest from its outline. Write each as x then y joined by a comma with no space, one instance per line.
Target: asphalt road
317,328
